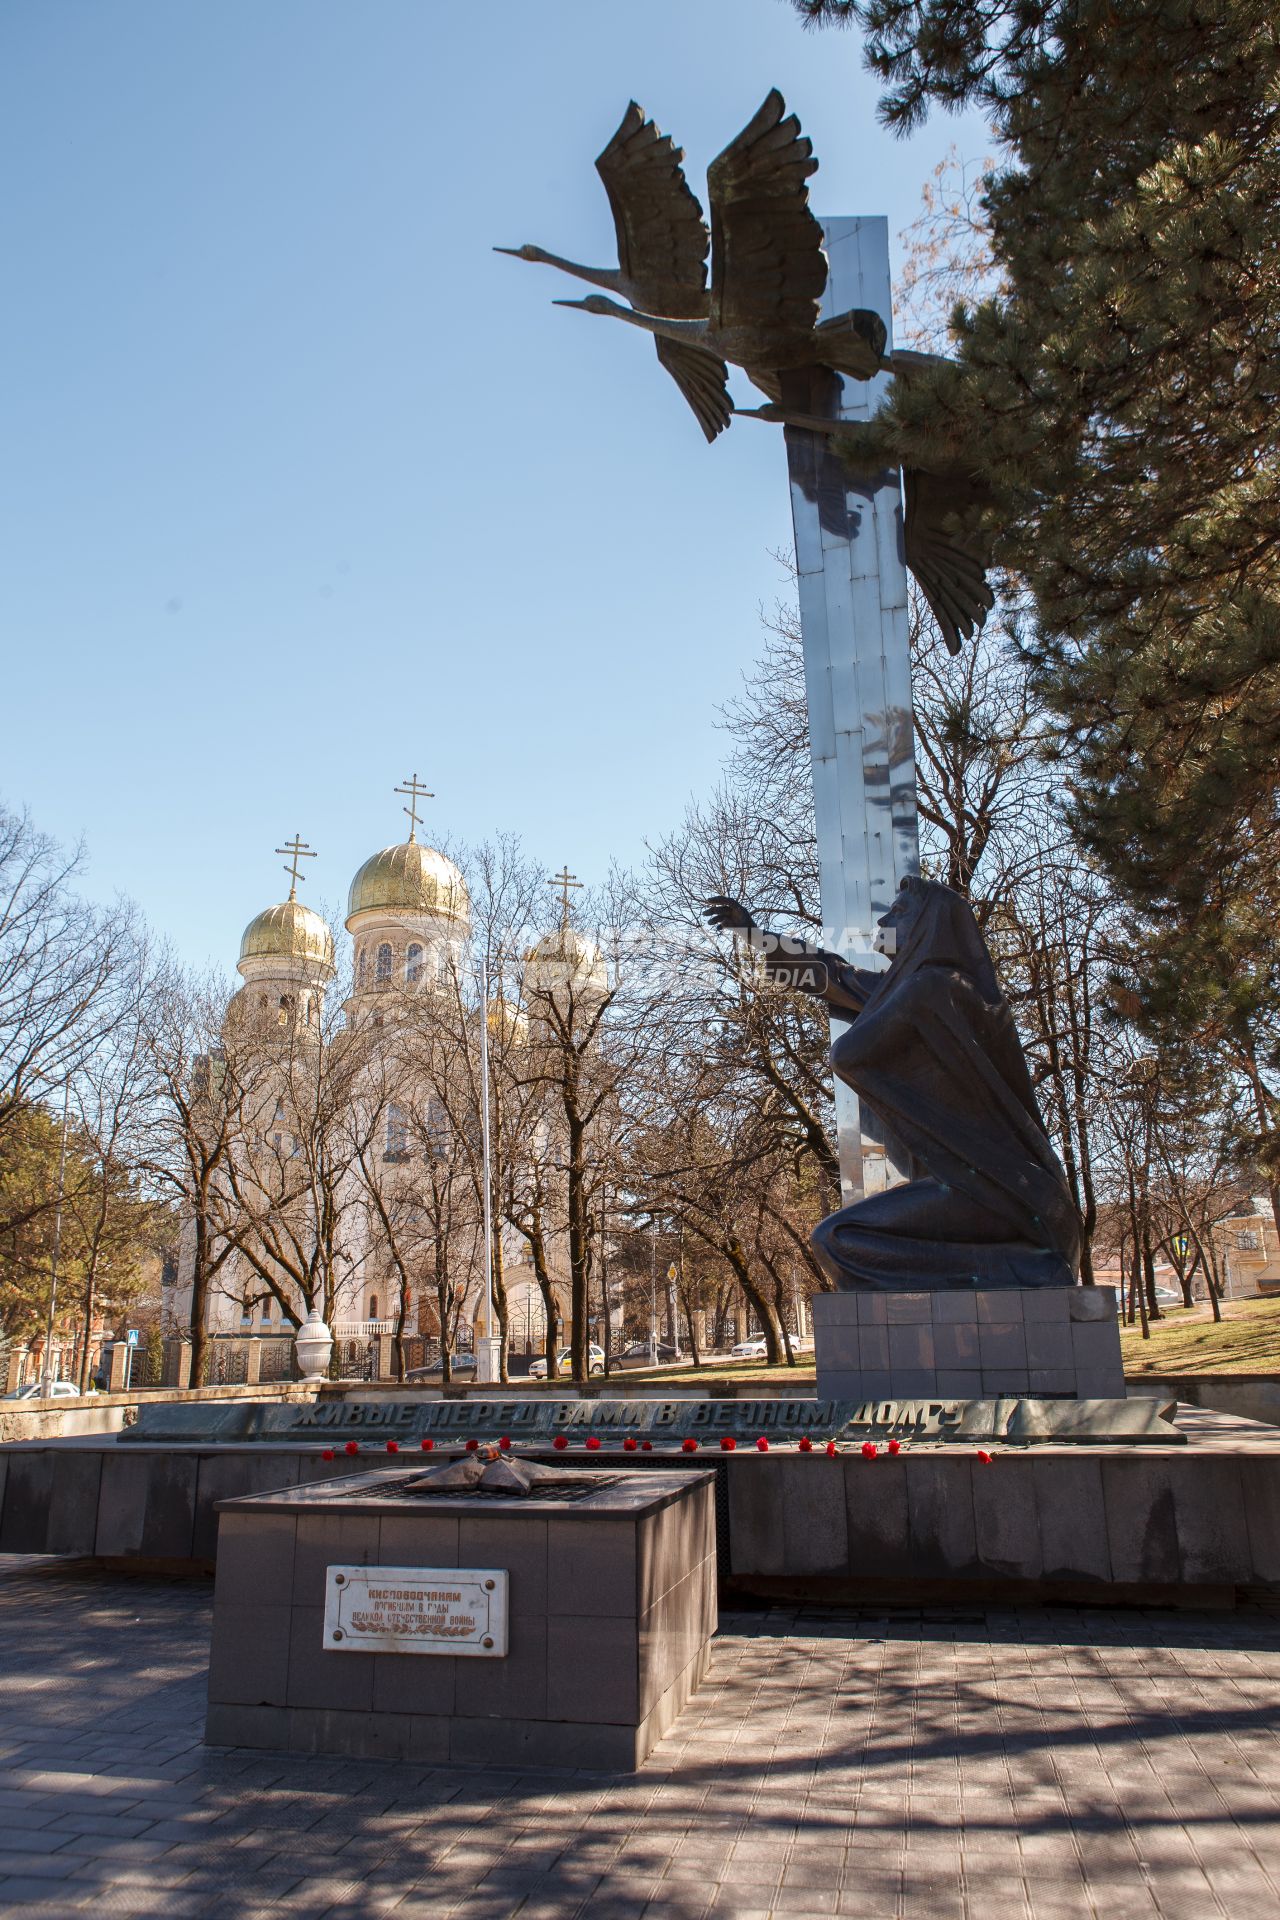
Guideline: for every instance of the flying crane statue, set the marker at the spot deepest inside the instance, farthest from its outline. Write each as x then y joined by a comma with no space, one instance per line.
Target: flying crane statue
761,313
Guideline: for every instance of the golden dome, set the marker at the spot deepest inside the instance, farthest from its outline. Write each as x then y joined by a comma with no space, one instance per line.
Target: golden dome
566,956
289,932
507,1025
410,879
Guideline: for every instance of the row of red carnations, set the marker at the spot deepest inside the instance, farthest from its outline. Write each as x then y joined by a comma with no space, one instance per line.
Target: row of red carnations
869,1449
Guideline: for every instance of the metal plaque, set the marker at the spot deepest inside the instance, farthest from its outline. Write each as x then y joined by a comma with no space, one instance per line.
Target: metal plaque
460,1611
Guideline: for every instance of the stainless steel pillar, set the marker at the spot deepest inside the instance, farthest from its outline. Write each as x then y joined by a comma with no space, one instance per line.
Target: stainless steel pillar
853,617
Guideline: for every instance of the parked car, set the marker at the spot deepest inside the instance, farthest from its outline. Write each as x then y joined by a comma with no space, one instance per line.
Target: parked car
58,1390
636,1353
462,1363
595,1362
749,1350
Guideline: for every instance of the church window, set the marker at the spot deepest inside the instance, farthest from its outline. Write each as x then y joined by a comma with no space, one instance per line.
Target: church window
397,1132
413,964
286,1008
373,1306
362,964
437,1128
384,962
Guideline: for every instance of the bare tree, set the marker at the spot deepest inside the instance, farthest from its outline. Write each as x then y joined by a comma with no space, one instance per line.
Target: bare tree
60,966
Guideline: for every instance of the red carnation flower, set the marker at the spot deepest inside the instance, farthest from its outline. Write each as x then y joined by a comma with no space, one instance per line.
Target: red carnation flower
352,1446
869,1449
393,1446
427,1445
805,1443
505,1443
762,1444
646,1446
984,1456
895,1446
561,1441
472,1445
728,1444
328,1454
628,1445
831,1449
689,1446
593,1442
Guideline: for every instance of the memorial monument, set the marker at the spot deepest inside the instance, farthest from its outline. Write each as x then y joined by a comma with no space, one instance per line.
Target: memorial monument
950,1182
804,307
506,1611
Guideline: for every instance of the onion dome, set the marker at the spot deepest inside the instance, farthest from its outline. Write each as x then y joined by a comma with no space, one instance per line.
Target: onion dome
567,958
289,932
410,879
507,1024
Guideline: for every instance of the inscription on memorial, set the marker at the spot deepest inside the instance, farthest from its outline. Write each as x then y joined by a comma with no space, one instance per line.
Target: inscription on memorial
453,1610
657,1425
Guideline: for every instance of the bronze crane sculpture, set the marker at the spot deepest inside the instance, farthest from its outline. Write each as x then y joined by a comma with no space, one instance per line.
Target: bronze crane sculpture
760,313
662,256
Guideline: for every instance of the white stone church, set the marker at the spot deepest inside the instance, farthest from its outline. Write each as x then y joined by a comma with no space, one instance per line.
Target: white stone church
408,914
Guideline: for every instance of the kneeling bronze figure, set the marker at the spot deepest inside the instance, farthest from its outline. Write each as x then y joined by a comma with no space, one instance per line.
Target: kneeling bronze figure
933,1052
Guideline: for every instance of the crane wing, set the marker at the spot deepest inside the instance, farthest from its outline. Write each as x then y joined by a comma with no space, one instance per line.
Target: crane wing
662,239
767,264
951,568
702,379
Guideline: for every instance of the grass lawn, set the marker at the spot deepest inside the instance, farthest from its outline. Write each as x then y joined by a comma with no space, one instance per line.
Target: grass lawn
1188,1340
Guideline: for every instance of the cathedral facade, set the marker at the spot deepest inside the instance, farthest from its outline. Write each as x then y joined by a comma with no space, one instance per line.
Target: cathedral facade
353,1175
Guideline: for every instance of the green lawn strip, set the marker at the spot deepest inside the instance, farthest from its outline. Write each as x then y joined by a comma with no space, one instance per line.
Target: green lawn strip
1247,1340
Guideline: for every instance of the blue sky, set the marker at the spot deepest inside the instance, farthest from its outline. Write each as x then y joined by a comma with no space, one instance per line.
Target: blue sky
303,488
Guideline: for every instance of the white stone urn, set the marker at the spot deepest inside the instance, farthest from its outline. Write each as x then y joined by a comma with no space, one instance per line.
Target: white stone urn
313,1344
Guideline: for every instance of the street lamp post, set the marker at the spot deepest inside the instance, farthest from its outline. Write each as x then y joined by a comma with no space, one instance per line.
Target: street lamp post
489,1355
653,1294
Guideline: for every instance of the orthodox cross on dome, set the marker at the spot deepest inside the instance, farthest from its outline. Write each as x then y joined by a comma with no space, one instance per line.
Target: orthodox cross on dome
564,881
416,791
298,849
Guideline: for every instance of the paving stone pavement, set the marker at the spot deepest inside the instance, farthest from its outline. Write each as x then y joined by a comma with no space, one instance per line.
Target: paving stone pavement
960,1766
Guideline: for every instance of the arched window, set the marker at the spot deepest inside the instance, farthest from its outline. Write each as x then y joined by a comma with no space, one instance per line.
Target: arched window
373,1306
397,1132
285,1009
362,965
384,962
413,964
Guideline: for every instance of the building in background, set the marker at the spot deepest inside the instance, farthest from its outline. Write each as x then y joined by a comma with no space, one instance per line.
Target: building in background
286,1055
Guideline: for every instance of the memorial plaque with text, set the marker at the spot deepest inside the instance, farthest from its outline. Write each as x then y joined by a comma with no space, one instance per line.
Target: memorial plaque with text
453,1610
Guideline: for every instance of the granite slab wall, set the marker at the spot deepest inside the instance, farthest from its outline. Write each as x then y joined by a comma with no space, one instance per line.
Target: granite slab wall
609,1622
970,1345
1114,1520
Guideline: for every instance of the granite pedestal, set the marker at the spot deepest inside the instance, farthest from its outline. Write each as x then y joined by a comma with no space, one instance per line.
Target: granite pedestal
1043,1342
612,1605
